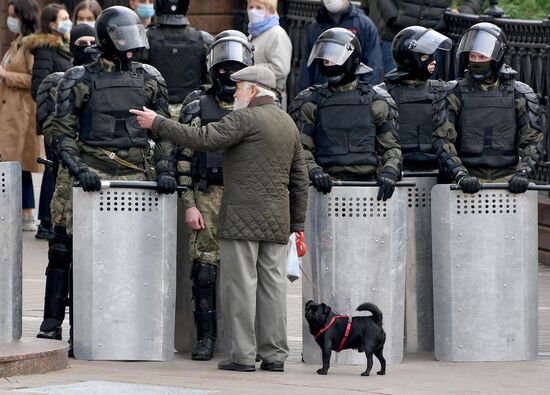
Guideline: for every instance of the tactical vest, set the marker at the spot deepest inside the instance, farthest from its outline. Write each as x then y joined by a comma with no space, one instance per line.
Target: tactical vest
179,56
415,120
207,167
345,132
486,128
105,121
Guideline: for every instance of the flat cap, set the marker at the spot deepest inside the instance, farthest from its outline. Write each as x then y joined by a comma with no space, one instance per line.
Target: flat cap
258,74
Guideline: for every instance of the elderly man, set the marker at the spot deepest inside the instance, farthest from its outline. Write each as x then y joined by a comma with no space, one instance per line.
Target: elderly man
264,200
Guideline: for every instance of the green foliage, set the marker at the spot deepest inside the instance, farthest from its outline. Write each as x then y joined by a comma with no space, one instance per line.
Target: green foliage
518,9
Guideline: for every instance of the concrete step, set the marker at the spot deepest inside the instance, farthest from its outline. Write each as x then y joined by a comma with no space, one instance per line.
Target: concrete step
32,356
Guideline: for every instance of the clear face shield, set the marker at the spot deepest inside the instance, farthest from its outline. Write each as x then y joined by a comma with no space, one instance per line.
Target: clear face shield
483,43
430,42
130,37
229,50
333,51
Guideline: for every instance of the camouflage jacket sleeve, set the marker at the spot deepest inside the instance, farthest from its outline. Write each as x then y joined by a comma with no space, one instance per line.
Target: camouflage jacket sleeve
386,118
445,112
303,111
529,119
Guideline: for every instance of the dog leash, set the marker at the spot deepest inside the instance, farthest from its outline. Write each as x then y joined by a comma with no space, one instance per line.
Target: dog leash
346,333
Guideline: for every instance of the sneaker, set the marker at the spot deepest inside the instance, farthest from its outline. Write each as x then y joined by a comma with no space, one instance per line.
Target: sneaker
44,232
29,224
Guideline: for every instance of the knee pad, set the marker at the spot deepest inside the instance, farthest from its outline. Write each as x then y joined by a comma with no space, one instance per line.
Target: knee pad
204,275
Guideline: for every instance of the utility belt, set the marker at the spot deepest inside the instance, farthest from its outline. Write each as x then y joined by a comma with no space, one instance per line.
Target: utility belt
116,163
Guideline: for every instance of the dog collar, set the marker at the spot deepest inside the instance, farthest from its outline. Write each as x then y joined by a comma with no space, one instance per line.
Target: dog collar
346,333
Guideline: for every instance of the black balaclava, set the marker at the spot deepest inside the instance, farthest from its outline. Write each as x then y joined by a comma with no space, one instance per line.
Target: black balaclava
423,73
80,57
480,71
224,86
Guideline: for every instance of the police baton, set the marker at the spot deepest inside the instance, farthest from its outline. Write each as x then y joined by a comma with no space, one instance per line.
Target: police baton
341,183
502,185
135,185
45,162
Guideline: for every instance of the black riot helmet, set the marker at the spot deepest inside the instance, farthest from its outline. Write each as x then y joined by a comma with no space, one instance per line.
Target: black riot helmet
486,39
341,47
230,52
118,30
411,43
171,12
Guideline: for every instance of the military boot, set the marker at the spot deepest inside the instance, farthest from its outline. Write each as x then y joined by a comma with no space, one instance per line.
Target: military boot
206,341
204,293
54,304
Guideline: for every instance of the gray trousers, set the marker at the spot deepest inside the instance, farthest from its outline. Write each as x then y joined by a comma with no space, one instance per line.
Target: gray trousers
253,293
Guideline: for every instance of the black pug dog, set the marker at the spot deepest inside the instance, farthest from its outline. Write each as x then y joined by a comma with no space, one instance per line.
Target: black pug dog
332,332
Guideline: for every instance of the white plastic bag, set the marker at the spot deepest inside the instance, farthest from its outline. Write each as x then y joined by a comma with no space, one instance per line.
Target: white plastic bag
293,262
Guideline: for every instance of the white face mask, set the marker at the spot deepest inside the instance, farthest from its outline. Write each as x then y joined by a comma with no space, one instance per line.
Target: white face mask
255,15
89,23
239,105
64,26
13,25
334,6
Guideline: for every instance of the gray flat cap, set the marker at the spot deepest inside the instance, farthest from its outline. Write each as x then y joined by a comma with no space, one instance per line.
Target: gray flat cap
258,74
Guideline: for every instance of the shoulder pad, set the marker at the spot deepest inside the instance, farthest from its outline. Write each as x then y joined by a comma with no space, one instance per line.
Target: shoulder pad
45,103
383,85
305,96
449,85
506,72
152,71
194,95
525,89
190,111
379,90
65,95
207,38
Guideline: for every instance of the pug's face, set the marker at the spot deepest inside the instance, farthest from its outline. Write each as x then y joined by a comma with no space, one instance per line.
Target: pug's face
317,314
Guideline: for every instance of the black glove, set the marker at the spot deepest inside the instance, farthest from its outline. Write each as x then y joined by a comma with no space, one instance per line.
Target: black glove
519,182
321,180
386,181
89,180
469,184
166,182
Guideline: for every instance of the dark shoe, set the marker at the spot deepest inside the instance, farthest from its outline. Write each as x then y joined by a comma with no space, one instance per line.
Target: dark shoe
228,365
258,358
71,350
44,232
276,366
203,350
54,334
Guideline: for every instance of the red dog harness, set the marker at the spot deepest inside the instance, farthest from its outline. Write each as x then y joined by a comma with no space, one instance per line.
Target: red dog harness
346,334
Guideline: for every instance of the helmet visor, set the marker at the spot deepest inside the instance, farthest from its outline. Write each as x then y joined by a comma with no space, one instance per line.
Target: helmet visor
229,51
333,51
130,37
483,43
430,42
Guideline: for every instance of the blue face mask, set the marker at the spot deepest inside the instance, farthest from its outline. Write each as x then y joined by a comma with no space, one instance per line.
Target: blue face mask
64,26
145,11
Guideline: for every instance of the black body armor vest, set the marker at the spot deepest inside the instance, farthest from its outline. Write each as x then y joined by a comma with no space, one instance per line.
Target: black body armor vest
105,120
486,128
345,132
207,167
179,56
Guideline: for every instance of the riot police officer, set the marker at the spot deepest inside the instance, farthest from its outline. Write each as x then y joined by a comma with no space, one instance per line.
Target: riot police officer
348,127
95,137
202,172
178,51
413,51
489,125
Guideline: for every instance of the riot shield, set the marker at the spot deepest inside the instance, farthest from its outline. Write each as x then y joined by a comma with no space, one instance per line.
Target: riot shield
10,252
356,254
419,334
485,263
124,274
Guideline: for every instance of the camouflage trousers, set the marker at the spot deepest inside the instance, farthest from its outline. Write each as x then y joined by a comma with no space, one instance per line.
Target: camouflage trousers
203,244
175,109
62,201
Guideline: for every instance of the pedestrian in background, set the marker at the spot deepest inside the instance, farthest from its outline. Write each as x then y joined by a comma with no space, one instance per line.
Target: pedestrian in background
86,11
18,138
264,200
391,16
272,46
145,9
341,13
50,47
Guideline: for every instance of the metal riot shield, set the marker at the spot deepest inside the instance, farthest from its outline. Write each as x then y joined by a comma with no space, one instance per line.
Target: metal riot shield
124,274
356,254
485,263
10,252
419,333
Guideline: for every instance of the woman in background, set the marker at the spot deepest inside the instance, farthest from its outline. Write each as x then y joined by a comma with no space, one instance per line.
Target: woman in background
87,12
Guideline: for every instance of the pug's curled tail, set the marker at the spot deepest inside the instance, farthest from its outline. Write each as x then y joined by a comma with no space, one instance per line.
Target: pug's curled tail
376,313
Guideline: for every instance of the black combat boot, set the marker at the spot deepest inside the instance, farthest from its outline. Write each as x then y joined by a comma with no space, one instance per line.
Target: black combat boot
204,294
54,304
206,341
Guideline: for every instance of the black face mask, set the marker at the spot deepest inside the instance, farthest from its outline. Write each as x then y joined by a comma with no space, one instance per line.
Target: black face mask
423,73
80,57
336,75
224,86
480,70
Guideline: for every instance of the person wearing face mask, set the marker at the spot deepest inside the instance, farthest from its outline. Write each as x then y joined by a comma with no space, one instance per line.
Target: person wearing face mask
95,138
272,46
178,51
18,139
348,127
413,50
87,12
145,9
50,47
264,201
202,173
489,126
344,14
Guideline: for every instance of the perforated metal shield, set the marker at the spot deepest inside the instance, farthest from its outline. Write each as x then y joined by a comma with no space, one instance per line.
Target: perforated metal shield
356,254
10,252
124,273
419,333
485,275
